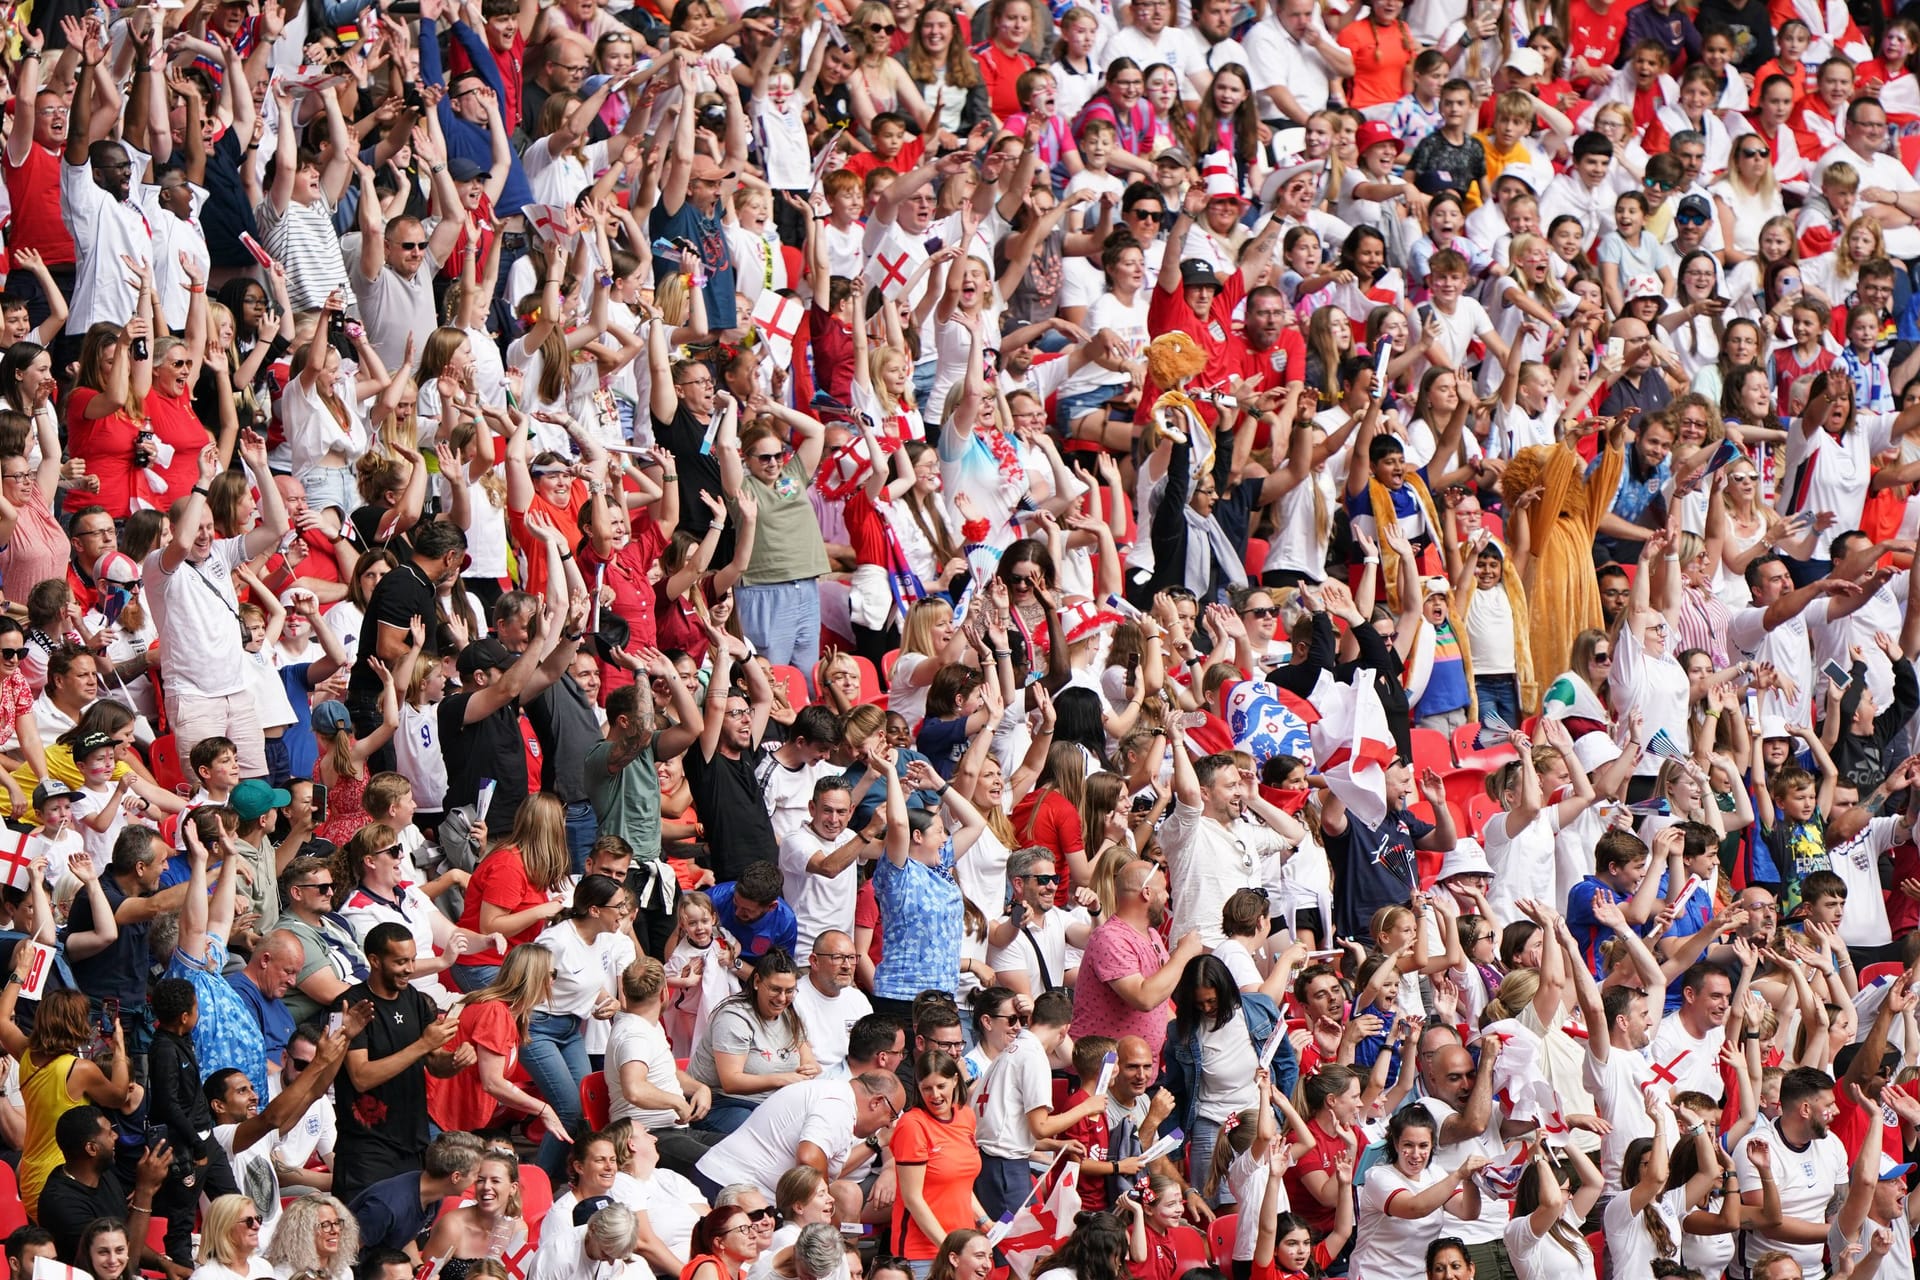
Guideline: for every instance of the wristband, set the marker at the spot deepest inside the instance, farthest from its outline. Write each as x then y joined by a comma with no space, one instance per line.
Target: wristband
201,490
437,169
566,555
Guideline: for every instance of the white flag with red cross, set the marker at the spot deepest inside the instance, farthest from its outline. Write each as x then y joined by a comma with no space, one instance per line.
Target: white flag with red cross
778,318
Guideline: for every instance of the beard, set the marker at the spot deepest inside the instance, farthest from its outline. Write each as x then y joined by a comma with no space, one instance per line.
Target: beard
1157,916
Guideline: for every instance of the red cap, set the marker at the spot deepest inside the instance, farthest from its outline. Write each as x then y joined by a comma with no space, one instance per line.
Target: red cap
1372,133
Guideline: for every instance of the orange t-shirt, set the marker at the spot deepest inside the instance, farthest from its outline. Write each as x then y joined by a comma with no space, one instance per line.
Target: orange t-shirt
1381,56
533,552
952,1160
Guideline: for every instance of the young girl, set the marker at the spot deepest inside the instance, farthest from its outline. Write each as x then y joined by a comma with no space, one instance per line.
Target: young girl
1446,216
343,757
102,806
1307,281
699,973
1059,153
1790,43
1163,95
1716,55
1227,120
416,742
1808,353
1075,72
1629,252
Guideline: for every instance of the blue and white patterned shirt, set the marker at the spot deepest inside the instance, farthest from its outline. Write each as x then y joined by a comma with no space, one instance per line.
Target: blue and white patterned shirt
921,918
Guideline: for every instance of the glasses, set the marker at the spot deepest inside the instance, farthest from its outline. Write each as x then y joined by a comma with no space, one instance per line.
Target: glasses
1048,881
94,533
761,1215
952,1048
1011,1019
180,364
251,1220
1603,657
571,68
14,655
1746,153
391,851
695,382
409,244
1265,612
1690,219
767,457
882,28
837,957
331,1224
323,888
891,1109
299,1064
16,475
1146,214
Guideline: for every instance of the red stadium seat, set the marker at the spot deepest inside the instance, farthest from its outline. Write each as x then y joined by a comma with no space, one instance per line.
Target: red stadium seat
1256,558
1480,811
596,1101
13,1214
1462,786
1493,524
1885,969
1473,757
536,1197
1220,1233
869,678
1597,1242
164,756
887,660
1431,750
1189,1249
796,684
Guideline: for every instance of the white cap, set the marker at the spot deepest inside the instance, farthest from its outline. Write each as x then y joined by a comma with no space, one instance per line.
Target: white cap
1595,749
1466,858
1527,62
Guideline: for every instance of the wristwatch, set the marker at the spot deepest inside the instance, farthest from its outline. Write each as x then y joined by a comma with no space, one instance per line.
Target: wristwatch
873,1143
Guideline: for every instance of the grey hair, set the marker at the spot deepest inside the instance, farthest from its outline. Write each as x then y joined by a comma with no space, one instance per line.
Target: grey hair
614,1229
733,1192
817,1253
1023,861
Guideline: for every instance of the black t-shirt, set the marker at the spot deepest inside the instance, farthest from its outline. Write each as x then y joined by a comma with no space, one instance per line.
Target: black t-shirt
402,596
120,970
699,473
366,521
67,1206
383,1132
488,748
733,809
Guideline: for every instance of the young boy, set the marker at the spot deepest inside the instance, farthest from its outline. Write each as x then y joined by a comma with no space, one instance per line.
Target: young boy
892,147
1624,862
1823,902
57,838
1098,142
1450,158
175,1099
846,248
263,623
1792,806
1016,1108
1466,331
1868,367
1508,141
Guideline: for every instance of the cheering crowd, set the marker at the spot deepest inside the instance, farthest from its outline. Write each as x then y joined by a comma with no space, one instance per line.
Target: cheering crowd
1024,642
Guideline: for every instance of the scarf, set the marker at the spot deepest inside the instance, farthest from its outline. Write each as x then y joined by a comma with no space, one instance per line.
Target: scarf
1383,514
1419,665
1209,550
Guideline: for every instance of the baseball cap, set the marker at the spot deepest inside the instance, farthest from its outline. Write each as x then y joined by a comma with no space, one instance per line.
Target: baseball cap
331,717
1694,207
1372,134
461,169
1527,62
585,1209
256,796
1890,1170
705,170
51,789
88,744
1174,156
485,654
1198,273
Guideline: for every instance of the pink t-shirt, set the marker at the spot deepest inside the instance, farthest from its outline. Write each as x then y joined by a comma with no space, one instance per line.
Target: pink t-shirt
1118,950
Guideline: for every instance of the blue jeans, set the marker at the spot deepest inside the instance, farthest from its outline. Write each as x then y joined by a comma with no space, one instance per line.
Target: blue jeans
472,977
783,621
724,1116
331,487
556,1057
1499,695
1200,1146
582,829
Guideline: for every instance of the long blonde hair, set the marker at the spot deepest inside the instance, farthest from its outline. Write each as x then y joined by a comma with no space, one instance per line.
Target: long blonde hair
540,834
916,634
523,984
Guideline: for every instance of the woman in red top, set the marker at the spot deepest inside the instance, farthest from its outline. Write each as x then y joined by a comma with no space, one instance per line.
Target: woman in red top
724,1244
162,392
1383,49
687,600
513,890
494,1021
100,430
1332,1097
33,546
1001,58
1049,815
619,550
936,1158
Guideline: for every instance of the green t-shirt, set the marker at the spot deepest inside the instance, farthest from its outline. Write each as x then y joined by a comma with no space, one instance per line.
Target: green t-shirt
787,543
627,803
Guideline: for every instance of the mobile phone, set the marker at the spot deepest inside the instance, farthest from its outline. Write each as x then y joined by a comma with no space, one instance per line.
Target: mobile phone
335,1021
1840,676
109,1015
156,1134
1616,348
319,803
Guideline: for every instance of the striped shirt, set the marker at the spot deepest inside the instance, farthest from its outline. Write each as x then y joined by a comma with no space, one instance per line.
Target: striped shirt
304,241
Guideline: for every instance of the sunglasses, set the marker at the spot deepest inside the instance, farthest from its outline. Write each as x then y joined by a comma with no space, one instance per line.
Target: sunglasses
1745,154
1011,1019
767,457
323,888
299,1064
13,655
1048,881
251,1220
759,1215
882,28
1265,612
1690,219
1603,657
409,244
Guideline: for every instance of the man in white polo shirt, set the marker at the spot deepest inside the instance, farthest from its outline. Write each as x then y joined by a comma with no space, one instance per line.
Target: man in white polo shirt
813,1122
